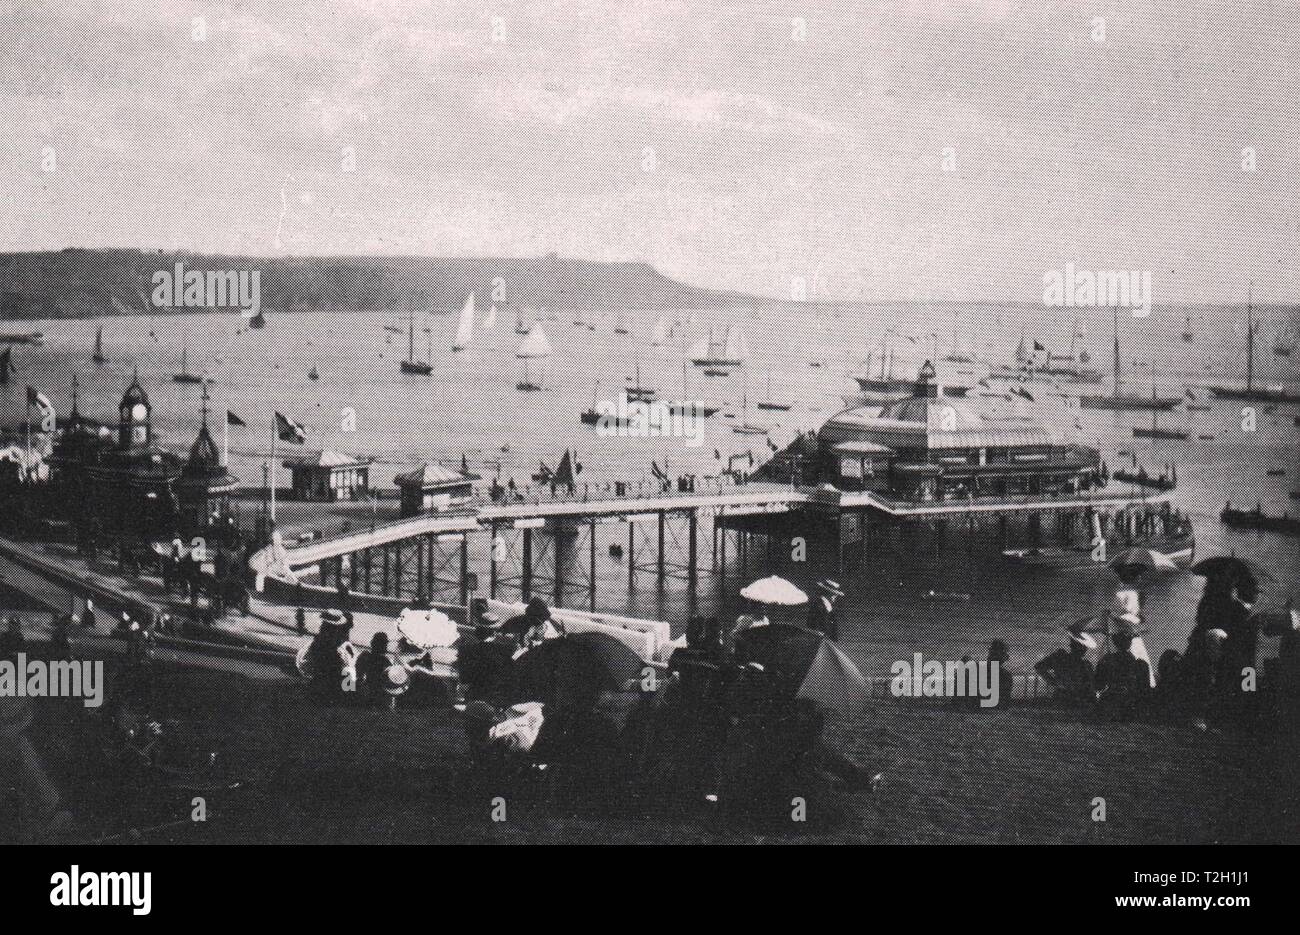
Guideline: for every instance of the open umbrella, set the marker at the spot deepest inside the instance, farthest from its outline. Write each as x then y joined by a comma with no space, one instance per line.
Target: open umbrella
572,670
427,628
1142,559
1232,566
774,590
803,663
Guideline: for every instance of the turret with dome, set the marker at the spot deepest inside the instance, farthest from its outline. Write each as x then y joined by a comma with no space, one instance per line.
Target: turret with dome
932,447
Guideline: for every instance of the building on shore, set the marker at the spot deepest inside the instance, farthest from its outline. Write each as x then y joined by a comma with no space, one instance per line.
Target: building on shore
326,476
930,447
433,487
133,488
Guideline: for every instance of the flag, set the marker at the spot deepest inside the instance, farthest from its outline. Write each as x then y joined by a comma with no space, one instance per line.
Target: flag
544,475
564,470
6,367
717,455
1039,347
657,471
289,430
232,419
39,399
577,465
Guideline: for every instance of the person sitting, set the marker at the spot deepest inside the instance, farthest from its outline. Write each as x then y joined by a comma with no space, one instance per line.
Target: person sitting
1000,654
1068,670
532,626
1123,680
372,663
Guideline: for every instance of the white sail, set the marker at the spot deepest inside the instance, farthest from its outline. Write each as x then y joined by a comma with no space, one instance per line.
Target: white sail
535,345
490,321
465,333
660,332
700,349
736,348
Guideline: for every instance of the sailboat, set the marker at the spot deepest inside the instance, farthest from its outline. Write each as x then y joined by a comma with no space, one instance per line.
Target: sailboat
708,353
1156,431
185,376
1285,341
534,347
520,326
769,403
1117,401
745,427
619,327
660,333
490,319
638,392
465,330
685,405
1188,334
1250,392
957,355
98,356
411,365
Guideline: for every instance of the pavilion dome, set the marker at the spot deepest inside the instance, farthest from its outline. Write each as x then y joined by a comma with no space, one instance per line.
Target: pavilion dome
204,460
944,413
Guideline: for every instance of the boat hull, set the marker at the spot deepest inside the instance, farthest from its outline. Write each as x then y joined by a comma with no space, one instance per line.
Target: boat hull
1126,403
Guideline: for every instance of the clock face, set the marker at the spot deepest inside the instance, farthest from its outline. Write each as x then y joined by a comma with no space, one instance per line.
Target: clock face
139,412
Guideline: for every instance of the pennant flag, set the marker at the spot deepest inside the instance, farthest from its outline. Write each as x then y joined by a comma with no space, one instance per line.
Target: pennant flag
771,444
39,399
544,475
577,465
564,470
289,430
232,419
1039,347
657,471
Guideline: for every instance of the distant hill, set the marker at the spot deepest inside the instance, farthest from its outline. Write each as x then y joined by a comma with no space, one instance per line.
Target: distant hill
77,283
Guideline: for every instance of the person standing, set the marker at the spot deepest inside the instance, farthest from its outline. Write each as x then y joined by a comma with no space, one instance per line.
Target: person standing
821,611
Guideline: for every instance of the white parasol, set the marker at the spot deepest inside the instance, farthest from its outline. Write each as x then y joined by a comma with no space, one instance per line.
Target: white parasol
427,628
774,590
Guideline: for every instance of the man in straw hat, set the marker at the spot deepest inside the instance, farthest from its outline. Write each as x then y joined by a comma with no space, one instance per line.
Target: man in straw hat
821,610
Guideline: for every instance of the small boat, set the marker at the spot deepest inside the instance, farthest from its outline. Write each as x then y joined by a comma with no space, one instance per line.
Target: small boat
1206,438
710,372
536,346
815,363
1140,478
255,320
619,327
706,352
184,376
313,374
660,333
1258,519
1276,472
771,404
702,410
465,329
98,356
1156,431
1250,392
745,427
1173,537
1286,341
1188,334
520,326
393,328
638,392
411,365
1197,407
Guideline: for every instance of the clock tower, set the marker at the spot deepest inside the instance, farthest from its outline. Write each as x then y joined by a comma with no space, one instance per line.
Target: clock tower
134,429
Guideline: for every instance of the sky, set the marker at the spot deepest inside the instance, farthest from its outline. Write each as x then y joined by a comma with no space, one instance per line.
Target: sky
748,146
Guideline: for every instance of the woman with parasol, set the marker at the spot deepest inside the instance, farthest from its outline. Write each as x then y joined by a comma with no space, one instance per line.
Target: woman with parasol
1123,611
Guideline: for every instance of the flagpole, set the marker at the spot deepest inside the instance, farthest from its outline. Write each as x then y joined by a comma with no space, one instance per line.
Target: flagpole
225,441
274,433
27,465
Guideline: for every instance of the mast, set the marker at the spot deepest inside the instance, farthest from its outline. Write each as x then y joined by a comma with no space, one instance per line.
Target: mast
1250,338
410,331
1116,310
